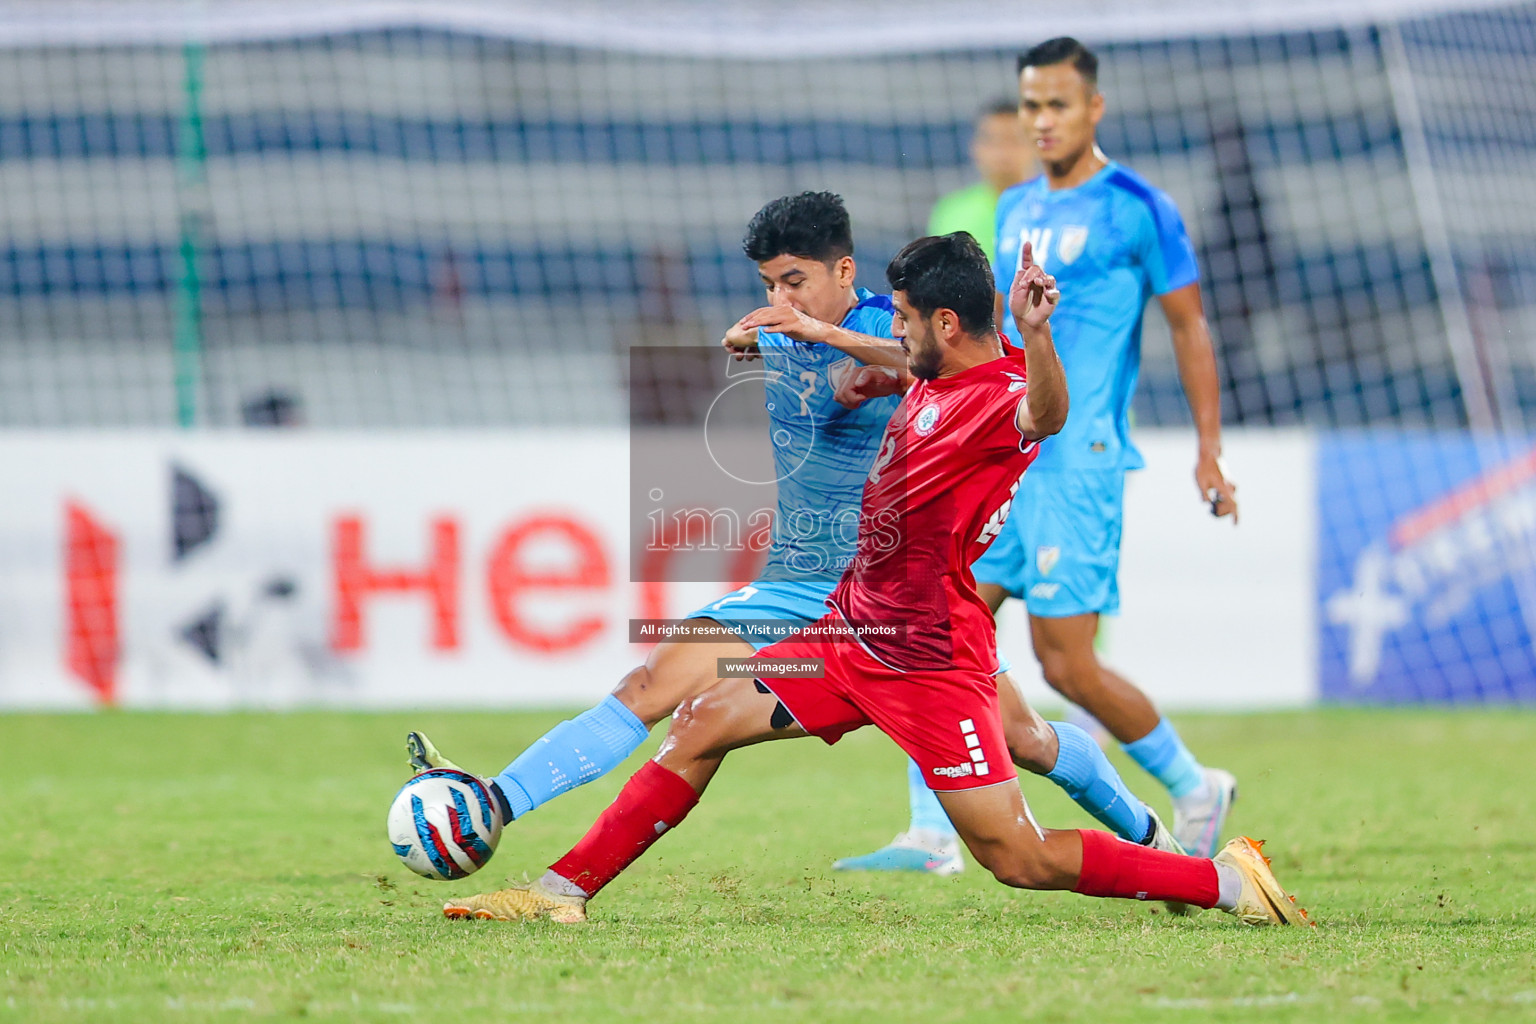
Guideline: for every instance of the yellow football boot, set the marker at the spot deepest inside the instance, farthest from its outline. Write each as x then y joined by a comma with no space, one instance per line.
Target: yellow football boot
1262,900
526,902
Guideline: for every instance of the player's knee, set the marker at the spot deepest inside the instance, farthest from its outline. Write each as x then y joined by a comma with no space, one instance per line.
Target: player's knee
1031,743
642,693
1071,676
700,724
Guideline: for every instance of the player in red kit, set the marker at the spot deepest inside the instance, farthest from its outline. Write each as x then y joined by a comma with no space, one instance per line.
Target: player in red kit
908,645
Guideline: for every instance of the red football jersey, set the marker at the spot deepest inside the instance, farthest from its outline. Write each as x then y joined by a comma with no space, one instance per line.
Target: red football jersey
938,492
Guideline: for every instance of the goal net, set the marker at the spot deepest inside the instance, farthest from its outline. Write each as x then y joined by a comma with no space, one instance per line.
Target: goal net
368,214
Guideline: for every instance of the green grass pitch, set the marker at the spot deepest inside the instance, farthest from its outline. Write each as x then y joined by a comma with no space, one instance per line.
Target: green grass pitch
186,867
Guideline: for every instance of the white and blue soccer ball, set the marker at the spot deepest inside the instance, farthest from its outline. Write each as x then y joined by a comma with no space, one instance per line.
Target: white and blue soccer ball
443,824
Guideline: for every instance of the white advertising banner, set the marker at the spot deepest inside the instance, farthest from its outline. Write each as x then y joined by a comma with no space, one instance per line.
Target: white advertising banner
216,570
1212,616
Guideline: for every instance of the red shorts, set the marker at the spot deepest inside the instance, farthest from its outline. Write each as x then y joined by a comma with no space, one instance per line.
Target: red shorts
947,721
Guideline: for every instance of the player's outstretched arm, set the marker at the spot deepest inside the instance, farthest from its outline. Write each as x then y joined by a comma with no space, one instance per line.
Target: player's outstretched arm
792,323
1032,299
1196,356
867,348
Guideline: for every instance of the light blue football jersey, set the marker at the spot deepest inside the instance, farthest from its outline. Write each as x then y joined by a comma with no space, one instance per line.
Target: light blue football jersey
822,450
1112,242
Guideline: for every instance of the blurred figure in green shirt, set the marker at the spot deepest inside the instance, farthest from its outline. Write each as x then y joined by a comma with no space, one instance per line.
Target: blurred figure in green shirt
1001,157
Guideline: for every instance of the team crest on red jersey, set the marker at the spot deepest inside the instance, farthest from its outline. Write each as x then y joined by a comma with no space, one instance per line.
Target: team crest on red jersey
927,419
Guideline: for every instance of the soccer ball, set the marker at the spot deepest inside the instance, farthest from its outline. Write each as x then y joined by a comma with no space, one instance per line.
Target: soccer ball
443,824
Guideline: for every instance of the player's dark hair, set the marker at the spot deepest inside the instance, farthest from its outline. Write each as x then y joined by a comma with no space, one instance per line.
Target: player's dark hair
946,272
813,225
1062,50
1004,105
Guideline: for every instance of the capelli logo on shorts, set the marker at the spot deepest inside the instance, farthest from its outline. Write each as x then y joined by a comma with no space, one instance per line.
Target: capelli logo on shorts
957,771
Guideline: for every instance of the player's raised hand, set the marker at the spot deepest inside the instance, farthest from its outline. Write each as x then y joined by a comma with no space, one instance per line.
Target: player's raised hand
866,382
788,321
1033,296
1215,489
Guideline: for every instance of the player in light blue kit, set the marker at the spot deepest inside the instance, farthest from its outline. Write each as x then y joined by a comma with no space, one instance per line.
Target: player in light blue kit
1112,241
817,328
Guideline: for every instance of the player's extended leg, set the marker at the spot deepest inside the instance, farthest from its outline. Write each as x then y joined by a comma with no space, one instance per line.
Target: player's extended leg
735,713
1201,796
1060,751
998,829
601,738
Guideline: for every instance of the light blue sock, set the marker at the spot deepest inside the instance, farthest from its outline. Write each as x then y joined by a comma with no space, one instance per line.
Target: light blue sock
1167,759
574,752
1088,778
927,812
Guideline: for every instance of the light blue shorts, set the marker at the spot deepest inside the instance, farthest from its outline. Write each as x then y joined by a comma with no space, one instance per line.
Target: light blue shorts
777,601
1060,549
793,602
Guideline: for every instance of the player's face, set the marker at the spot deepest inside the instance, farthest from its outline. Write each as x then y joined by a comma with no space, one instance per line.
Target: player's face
918,339
999,151
1060,113
814,288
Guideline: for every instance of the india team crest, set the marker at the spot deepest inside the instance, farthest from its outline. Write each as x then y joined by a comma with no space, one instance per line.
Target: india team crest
839,371
1046,559
927,419
1073,241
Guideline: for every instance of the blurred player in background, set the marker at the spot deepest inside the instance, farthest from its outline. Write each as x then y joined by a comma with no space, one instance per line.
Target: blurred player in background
812,335
1002,159
935,496
1113,241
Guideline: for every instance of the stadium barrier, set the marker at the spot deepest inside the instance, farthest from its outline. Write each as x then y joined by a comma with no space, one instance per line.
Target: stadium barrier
218,570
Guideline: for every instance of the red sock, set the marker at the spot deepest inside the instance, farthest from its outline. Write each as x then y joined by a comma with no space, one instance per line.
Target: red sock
654,800
1113,867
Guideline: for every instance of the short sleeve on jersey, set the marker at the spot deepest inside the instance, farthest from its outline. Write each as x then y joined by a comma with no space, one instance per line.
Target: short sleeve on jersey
1163,245
997,428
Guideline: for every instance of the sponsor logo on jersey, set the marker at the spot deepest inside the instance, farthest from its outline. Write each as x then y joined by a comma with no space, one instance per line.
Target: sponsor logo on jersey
1046,559
1044,591
927,419
1073,241
1015,382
